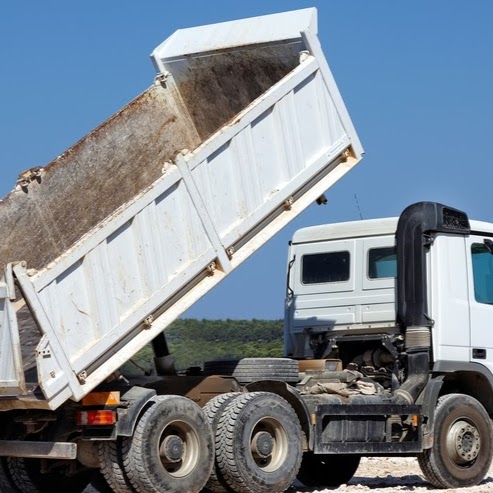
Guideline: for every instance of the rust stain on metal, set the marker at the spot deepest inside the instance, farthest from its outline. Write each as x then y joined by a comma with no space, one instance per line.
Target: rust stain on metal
216,88
90,180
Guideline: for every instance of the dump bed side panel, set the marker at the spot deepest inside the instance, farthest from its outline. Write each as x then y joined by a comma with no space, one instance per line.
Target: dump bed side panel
112,290
211,203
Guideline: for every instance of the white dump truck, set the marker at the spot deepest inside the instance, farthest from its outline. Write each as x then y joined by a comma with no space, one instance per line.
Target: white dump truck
387,347
104,247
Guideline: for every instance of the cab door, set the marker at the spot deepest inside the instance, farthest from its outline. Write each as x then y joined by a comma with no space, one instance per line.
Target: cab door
480,269
321,291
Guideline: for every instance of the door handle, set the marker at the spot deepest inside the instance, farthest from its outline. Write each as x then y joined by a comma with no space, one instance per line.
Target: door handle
479,353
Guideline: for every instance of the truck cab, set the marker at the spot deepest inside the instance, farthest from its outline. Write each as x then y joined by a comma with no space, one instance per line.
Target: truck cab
343,282
405,303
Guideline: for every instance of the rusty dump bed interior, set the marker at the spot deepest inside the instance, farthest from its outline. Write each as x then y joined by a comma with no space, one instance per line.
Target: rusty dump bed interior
52,209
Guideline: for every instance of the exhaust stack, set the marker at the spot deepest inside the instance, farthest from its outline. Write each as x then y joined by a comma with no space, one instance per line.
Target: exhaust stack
416,229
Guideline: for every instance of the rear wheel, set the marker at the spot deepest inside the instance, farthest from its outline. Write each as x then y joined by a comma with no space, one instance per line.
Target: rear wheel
28,477
111,463
259,444
462,446
327,470
214,410
6,483
171,450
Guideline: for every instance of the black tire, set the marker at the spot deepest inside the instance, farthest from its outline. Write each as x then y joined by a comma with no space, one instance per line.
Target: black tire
327,470
111,465
267,423
462,446
214,410
27,476
6,483
220,367
251,370
171,450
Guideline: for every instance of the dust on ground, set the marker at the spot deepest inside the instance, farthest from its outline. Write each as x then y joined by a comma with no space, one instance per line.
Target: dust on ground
389,474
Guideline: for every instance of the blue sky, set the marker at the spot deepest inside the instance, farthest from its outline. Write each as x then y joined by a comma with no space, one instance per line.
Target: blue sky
417,78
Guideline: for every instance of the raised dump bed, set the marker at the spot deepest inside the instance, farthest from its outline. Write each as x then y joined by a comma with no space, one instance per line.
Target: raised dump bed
109,243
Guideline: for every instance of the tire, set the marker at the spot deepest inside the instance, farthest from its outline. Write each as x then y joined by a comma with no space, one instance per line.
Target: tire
111,465
259,446
462,446
327,470
251,370
6,483
27,476
214,410
171,450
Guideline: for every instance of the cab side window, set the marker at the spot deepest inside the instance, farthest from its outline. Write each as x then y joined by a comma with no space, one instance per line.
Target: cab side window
325,267
382,263
482,267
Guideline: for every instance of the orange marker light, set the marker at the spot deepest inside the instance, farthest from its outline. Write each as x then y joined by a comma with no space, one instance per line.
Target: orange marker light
102,399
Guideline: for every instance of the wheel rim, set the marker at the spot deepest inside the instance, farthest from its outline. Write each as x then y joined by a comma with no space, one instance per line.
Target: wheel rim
269,444
179,449
463,442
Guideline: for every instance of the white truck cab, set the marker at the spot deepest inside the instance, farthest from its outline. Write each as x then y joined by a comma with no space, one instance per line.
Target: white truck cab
405,304
342,279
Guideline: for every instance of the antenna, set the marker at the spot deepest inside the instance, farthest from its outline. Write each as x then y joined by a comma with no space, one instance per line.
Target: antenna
357,205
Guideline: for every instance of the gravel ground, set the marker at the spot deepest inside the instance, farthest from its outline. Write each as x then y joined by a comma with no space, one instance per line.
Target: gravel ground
387,474
375,475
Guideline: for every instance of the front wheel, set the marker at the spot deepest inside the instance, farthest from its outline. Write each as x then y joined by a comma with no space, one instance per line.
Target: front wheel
171,450
462,446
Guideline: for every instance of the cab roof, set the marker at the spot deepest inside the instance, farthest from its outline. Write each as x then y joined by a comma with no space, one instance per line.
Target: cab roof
366,228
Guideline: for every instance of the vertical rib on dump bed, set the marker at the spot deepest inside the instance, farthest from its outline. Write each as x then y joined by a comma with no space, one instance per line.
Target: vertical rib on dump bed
244,129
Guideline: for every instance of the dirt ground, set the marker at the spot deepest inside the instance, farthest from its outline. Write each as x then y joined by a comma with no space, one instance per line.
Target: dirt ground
387,474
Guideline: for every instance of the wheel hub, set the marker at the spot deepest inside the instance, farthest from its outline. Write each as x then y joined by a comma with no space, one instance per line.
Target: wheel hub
463,442
262,444
173,448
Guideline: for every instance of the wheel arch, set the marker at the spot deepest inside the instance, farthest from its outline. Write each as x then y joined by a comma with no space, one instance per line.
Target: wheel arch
138,399
471,379
287,392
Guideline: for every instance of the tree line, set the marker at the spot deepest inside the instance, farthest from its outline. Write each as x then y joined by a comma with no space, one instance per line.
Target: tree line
192,342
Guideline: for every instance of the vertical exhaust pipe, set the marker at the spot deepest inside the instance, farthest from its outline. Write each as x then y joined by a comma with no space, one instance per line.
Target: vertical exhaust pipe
416,229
